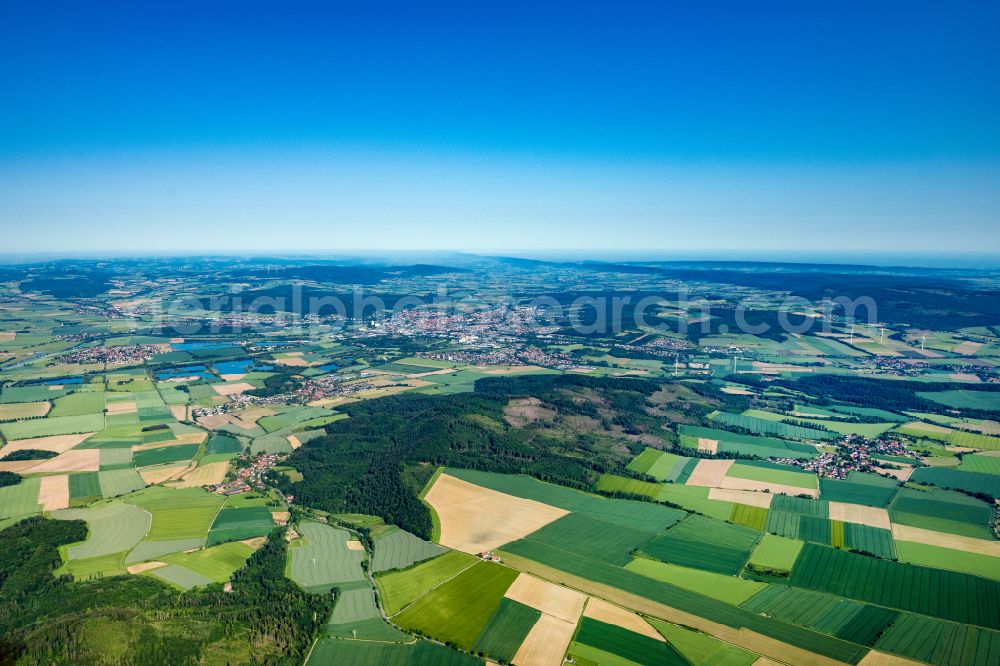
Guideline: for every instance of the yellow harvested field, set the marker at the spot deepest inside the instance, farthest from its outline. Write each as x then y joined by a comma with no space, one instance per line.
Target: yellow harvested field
508,369
475,519
546,643
440,371
16,465
748,497
179,412
354,544
145,566
780,488
57,443
958,542
749,640
24,410
8,336
860,515
549,598
602,611
121,407
53,492
968,347
206,475
161,473
901,474
874,658
233,389
294,362
708,445
281,517
928,427
765,661
56,387
293,441
733,390
964,377
74,460
255,542
777,368
233,378
710,473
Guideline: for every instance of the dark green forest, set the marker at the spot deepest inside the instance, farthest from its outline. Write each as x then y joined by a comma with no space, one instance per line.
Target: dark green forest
362,464
44,619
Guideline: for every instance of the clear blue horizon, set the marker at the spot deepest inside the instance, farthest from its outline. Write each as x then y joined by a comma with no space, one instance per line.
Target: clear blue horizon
253,127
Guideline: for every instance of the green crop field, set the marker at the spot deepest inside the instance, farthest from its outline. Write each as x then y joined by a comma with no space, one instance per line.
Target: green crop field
594,538
754,517
768,427
506,630
948,558
612,483
936,642
178,513
970,482
399,549
291,417
856,490
704,543
398,589
755,470
165,454
730,589
94,567
216,563
983,464
20,499
116,457
626,644
239,524
353,606
645,460
942,510
334,652
944,594
763,447
843,618
776,553
119,482
695,498
113,528
223,444
84,486
699,648
984,400
150,550
801,505
458,610
78,404
322,559
63,425
658,464
180,577
869,539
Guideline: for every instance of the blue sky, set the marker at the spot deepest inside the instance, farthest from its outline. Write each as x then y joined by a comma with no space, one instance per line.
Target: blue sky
559,125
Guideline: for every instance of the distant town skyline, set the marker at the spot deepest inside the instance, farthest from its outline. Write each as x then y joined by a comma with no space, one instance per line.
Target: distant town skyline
563,126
